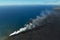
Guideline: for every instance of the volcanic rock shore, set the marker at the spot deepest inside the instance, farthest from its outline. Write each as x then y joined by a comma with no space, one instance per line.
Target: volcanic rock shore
49,31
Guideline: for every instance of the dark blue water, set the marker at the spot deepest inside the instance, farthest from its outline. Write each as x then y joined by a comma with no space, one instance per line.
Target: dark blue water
14,17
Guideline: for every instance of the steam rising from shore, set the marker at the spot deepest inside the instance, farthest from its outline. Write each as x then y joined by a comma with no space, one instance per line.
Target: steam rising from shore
38,21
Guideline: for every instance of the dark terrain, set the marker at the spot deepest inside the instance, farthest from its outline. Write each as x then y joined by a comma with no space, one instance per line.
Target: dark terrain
49,31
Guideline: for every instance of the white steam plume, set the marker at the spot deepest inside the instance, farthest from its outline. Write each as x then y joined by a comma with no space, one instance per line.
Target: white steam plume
35,22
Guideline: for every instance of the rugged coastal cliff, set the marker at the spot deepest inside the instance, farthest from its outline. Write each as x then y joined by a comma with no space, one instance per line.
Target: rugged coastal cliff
49,31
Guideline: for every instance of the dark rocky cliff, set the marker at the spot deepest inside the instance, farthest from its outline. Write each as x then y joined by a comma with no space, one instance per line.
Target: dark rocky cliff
49,31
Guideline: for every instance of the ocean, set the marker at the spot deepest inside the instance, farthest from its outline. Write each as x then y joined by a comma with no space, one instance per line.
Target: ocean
14,17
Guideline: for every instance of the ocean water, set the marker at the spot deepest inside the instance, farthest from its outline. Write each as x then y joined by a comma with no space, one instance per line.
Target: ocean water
14,17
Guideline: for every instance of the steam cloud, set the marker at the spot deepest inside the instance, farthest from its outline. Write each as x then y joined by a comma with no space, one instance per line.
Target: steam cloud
38,21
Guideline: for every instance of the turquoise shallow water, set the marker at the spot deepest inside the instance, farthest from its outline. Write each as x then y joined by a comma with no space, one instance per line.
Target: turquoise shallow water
14,17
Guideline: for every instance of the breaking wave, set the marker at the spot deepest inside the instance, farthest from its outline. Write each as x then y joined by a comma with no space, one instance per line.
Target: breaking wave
38,21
